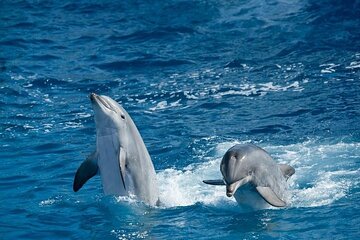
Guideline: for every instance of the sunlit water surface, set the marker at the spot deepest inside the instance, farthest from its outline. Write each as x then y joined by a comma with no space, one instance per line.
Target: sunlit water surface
197,77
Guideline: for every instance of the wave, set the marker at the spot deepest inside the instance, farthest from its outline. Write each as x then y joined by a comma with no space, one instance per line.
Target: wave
141,63
161,34
175,99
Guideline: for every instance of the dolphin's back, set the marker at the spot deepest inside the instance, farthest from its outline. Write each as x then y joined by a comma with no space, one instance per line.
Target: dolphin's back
142,168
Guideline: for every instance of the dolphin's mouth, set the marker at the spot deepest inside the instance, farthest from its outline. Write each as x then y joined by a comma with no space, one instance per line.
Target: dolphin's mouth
233,187
230,190
100,101
93,96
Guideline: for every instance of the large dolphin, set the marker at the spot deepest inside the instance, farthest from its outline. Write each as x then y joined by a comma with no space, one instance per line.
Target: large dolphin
121,157
253,177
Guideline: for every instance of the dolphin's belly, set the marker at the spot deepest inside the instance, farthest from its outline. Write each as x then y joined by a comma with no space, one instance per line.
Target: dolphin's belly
249,199
109,169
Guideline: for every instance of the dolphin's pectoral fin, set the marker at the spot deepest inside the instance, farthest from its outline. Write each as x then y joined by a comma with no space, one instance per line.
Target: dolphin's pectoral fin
122,162
87,170
269,196
217,182
287,170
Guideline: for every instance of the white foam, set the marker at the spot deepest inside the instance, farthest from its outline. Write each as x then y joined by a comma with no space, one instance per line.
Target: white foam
165,105
72,125
329,68
353,65
47,202
185,187
17,77
124,235
47,98
130,199
319,179
262,89
190,95
27,126
328,187
83,115
159,105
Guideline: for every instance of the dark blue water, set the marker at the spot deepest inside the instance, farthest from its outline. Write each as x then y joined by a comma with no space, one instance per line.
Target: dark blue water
196,77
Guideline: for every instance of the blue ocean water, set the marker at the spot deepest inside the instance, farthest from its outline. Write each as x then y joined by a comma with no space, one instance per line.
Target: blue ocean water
196,77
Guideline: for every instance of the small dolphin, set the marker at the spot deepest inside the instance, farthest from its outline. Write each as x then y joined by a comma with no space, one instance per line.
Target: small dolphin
252,176
121,157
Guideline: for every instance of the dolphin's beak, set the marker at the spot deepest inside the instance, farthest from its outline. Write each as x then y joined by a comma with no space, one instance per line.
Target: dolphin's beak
233,187
229,192
100,101
92,96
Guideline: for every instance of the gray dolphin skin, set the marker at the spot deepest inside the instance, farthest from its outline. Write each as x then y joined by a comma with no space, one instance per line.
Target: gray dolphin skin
121,157
253,177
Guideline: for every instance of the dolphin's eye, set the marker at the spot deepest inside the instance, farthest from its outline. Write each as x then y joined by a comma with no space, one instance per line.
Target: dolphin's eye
122,116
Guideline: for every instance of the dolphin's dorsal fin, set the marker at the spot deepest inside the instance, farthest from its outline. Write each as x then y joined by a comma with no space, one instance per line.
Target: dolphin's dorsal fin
269,196
87,170
122,163
287,170
216,182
